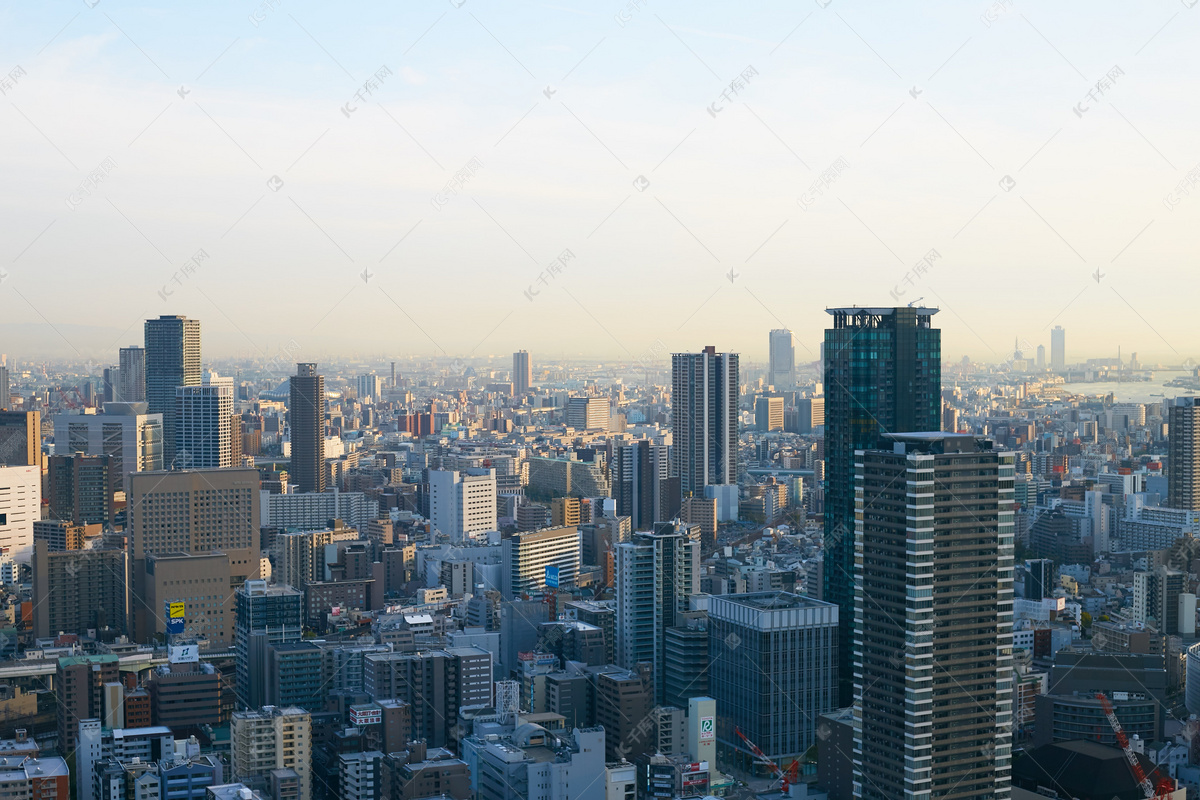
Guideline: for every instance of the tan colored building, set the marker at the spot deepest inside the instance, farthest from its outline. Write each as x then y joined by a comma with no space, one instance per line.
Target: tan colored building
271,739
74,591
20,438
202,582
564,511
193,512
702,511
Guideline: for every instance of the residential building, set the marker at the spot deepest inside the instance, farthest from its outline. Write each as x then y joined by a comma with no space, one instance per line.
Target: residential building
132,375
77,591
204,424
265,616
656,572
270,739
1183,454
522,373
306,414
933,638
704,419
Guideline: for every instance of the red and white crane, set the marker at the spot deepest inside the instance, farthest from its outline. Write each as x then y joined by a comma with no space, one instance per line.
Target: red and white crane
1165,785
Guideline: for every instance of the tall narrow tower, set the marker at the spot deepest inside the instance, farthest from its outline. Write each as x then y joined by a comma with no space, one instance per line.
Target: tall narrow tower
306,412
522,372
704,419
933,629
172,359
882,375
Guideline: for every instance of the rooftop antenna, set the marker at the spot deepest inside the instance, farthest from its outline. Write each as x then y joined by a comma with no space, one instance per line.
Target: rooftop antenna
914,302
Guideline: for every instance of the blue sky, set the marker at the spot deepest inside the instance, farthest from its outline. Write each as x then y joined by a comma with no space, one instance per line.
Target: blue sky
1037,150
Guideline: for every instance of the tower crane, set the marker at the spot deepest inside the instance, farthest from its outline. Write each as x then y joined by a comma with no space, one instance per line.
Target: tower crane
1165,786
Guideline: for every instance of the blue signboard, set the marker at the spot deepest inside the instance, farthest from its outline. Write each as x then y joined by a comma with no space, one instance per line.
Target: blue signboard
552,577
175,617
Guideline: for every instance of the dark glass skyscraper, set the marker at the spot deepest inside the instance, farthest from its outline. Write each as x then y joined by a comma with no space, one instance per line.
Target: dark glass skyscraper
882,375
172,359
306,413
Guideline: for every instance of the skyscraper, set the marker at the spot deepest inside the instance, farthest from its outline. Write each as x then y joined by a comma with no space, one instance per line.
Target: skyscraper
172,359
1058,349
639,483
204,424
1183,454
306,412
704,419
20,438
5,385
1041,357
132,373
656,573
882,374
522,372
782,359
933,634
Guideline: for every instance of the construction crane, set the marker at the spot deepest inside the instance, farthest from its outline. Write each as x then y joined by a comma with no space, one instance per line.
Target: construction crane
1165,785
788,777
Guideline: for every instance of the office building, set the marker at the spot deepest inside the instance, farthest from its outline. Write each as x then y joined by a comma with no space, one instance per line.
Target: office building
1058,349
656,573
130,437
1039,578
193,512
882,374
587,413
185,693
300,557
462,503
533,763
201,583
197,511
101,743
685,662
772,671
132,375
522,373
640,483
1040,361
20,507
20,439
781,370
111,384
306,415
704,419
529,558
370,388
79,683
81,489
1183,454
810,415
768,414
270,739
5,385
434,683
172,359
204,424
80,590
264,616
933,638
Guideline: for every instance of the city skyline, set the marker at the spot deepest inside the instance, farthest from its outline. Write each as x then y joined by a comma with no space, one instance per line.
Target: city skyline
1043,162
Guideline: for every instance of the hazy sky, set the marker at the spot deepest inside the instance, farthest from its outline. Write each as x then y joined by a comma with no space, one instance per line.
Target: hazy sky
672,148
